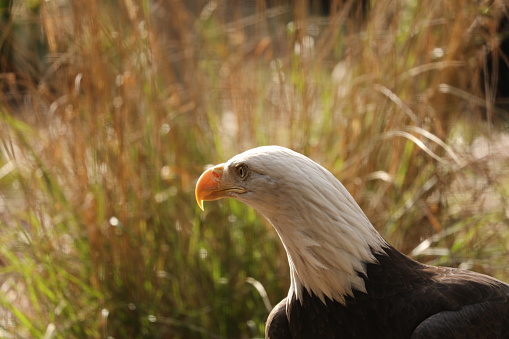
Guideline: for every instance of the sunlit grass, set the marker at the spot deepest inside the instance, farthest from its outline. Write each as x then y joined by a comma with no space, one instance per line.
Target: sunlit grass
101,235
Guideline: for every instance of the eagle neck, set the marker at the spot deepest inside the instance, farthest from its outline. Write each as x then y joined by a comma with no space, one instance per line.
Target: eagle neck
328,243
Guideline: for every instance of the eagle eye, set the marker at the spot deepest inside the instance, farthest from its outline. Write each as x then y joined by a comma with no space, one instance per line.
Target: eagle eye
241,171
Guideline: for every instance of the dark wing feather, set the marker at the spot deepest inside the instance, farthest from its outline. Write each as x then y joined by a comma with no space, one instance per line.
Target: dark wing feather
277,326
404,300
483,320
476,306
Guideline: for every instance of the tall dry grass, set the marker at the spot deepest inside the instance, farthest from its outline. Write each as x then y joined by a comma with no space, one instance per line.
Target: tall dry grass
100,152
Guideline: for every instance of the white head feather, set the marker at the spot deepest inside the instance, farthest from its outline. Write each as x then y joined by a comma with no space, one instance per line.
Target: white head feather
326,235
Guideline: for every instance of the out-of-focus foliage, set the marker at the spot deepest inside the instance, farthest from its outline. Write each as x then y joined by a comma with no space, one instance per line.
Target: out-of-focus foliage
111,110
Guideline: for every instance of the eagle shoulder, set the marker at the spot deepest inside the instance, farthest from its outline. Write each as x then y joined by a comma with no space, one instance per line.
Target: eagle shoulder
277,326
474,306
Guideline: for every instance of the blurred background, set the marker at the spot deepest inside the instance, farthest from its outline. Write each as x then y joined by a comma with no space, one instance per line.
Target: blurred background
110,110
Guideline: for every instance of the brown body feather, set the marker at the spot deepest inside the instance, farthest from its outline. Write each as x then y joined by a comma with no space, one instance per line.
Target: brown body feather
404,299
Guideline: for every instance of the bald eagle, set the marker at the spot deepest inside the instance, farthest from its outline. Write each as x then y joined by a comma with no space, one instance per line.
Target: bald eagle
346,281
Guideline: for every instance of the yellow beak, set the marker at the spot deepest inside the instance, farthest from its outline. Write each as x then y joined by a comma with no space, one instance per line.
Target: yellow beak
208,185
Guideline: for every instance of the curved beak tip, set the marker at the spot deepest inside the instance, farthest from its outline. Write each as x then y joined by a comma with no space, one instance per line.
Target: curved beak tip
198,193
200,203
207,184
